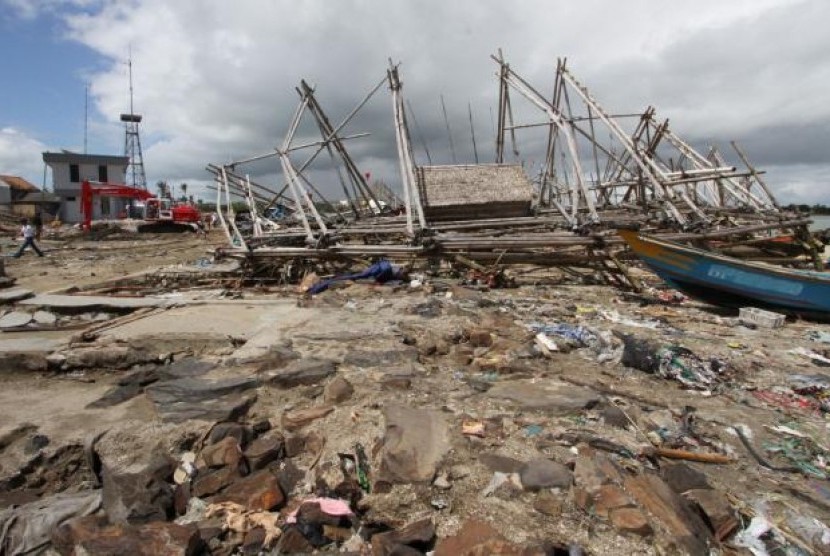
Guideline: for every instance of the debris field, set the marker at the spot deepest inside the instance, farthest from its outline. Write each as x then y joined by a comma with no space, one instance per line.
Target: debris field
192,409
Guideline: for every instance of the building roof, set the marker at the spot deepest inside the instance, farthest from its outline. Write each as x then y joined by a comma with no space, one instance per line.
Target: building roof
17,183
464,185
37,198
67,157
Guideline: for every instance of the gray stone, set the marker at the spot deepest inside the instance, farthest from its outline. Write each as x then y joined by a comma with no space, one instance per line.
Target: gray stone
543,473
10,295
197,398
185,368
15,319
414,444
45,317
552,396
138,492
502,464
302,372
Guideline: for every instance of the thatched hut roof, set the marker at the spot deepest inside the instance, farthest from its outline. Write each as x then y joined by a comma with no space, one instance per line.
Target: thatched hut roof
474,191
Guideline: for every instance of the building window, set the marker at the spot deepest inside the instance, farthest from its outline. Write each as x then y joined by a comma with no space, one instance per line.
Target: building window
70,199
102,174
74,173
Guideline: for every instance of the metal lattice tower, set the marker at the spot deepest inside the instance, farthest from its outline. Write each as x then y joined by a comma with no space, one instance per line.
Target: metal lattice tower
132,149
132,142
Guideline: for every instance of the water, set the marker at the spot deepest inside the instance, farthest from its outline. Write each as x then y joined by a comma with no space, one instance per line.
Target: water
820,222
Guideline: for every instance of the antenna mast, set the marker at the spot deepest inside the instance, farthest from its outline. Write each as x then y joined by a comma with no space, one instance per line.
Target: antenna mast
86,115
132,141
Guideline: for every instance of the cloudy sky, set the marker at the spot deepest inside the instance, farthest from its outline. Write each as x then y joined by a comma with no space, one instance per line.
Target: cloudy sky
215,79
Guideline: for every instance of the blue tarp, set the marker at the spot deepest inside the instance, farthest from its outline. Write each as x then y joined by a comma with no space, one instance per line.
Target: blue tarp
381,271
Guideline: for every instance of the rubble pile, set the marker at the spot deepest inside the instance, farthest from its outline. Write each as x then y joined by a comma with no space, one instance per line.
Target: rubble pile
420,417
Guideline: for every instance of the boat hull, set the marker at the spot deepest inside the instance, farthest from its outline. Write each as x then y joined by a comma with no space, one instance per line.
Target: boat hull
728,282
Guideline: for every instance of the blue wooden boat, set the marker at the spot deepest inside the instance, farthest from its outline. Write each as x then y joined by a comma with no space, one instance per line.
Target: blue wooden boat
729,282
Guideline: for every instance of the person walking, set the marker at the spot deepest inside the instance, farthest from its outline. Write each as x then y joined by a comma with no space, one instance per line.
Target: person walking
28,232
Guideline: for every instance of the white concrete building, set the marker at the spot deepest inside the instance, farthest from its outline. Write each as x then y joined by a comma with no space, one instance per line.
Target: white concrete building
70,169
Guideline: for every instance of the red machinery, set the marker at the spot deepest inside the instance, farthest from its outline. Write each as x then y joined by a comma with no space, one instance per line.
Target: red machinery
154,209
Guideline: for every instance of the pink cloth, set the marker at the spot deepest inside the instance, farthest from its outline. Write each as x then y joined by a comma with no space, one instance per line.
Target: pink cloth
329,506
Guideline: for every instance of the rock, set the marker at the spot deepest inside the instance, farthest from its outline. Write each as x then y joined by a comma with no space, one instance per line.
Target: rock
548,504
116,395
302,372
213,481
472,537
187,367
615,417
35,443
414,444
338,390
294,445
397,381
241,433
480,338
259,491
254,539
417,535
265,449
442,483
715,507
226,452
559,398
630,520
109,357
684,526
681,477
196,398
544,473
23,361
292,541
70,533
503,464
150,539
608,498
297,419
138,492
10,295
15,319
44,317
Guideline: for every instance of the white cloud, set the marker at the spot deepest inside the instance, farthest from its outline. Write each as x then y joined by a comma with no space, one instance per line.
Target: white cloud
215,79
21,155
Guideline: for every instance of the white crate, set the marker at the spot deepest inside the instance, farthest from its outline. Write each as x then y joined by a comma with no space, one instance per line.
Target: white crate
761,318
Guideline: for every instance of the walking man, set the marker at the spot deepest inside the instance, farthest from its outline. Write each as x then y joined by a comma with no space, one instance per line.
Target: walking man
28,232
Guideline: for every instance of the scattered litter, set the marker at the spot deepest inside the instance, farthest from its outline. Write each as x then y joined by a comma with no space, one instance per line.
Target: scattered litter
616,318
473,428
760,318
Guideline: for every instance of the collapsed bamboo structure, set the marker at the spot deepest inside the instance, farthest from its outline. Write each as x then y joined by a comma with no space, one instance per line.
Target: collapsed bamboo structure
488,215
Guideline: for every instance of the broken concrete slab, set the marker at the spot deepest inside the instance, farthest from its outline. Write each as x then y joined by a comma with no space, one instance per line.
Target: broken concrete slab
301,372
414,444
553,396
15,319
45,317
197,398
10,295
74,303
